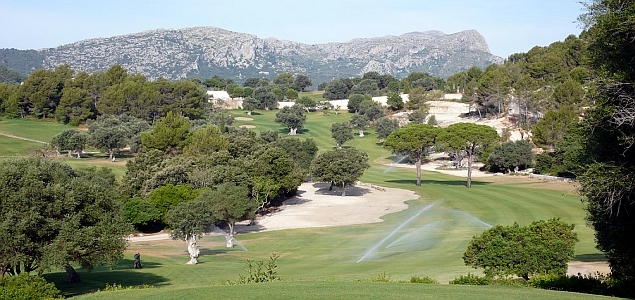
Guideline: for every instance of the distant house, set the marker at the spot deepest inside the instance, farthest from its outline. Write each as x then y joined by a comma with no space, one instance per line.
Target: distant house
218,95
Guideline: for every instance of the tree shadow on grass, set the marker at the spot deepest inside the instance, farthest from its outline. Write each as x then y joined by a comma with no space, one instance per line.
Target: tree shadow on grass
596,257
323,189
438,182
96,280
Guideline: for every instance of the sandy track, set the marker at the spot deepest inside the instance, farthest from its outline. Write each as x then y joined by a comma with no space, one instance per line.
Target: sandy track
21,138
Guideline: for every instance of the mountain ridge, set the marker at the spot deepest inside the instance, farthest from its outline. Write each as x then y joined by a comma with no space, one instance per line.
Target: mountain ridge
206,51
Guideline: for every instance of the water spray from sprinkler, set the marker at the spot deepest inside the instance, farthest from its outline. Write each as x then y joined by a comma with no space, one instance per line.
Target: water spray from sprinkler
395,231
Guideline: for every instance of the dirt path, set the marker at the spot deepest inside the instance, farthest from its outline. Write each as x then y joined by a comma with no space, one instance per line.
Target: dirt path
21,138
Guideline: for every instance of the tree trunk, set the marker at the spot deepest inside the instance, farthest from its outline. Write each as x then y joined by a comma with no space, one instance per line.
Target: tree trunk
229,237
249,112
78,154
193,250
418,166
71,275
331,187
70,154
469,169
343,189
293,131
361,133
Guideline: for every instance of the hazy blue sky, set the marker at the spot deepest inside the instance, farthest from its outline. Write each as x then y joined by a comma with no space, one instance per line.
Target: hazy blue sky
509,26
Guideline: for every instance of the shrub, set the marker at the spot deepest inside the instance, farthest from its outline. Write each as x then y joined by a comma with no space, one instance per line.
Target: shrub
259,271
119,287
471,279
27,287
417,279
168,196
588,283
144,216
382,277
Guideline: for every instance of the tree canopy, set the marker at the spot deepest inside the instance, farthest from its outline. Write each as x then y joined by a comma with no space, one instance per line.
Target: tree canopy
543,247
54,216
467,137
341,167
607,138
413,140
341,133
291,116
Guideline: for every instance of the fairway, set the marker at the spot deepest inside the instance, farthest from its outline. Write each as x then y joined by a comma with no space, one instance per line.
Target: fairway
427,239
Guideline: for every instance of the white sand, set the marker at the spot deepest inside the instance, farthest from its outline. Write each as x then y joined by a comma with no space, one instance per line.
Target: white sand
316,206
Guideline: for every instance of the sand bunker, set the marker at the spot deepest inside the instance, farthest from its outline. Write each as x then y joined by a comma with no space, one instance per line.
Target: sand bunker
243,119
316,206
247,126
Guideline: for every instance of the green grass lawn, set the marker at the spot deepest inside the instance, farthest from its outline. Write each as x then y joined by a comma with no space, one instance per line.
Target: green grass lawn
320,263
32,128
16,147
344,291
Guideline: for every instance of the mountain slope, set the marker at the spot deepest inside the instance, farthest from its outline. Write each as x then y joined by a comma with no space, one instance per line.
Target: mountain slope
206,51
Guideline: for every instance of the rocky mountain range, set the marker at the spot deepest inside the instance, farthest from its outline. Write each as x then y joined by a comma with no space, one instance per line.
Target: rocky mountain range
206,51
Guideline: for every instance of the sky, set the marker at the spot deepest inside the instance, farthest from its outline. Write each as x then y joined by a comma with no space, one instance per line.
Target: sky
509,26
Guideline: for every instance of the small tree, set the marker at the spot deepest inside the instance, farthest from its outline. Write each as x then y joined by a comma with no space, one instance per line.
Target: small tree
229,203
385,126
413,140
341,132
291,94
189,221
468,137
250,104
511,156
394,101
169,134
293,117
544,247
341,167
359,122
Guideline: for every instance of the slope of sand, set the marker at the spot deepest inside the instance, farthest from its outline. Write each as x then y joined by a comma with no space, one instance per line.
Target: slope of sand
316,206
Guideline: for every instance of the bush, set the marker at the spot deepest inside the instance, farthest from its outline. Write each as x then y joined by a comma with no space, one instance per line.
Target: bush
27,287
168,196
588,283
382,277
471,279
144,216
259,271
417,279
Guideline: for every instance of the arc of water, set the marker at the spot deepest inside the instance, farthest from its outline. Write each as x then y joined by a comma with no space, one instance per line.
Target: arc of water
395,231
409,235
392,165
233,239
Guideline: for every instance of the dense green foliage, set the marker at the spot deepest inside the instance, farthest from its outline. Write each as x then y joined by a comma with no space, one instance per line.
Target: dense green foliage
341,133
511,156
607,138
341,167
9,76
414,141
76,97
27,287
543,247
68,218
468,138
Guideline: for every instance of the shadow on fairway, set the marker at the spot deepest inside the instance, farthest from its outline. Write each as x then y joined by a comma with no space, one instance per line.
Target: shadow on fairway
590,257
438,182
128,264
93,281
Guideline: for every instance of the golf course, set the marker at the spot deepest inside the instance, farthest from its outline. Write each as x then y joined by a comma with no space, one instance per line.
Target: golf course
369,261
